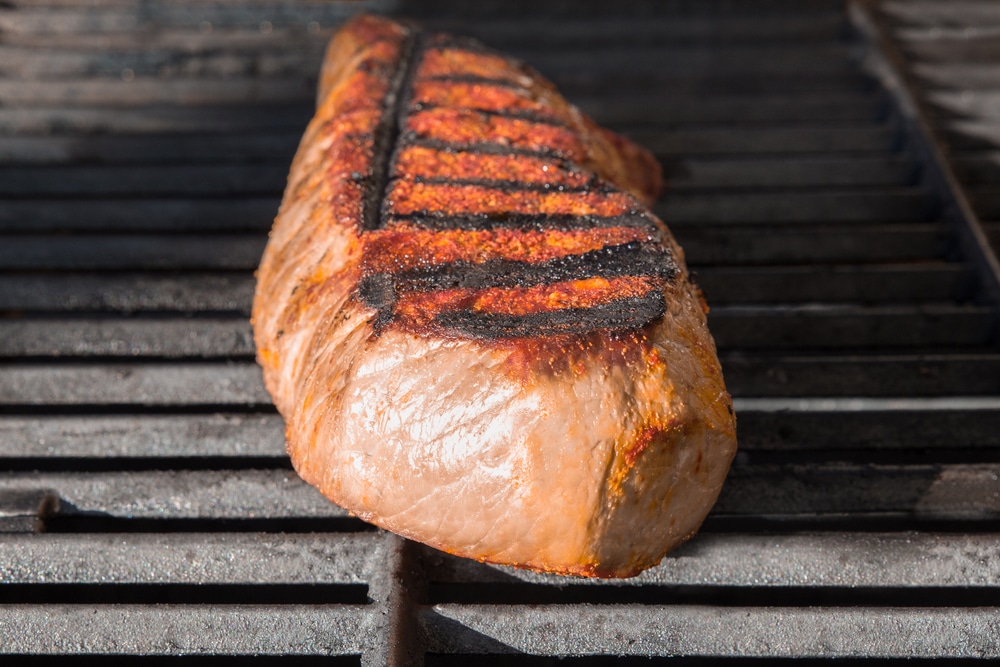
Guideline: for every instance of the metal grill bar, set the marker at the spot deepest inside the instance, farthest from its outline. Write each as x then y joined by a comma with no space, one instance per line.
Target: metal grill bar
719,632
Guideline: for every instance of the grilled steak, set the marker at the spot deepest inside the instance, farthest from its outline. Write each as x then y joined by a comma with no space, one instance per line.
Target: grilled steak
479,335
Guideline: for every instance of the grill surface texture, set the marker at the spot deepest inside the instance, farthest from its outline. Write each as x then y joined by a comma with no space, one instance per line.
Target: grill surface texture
147,504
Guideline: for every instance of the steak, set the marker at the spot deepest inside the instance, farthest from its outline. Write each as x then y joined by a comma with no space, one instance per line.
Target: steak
478,333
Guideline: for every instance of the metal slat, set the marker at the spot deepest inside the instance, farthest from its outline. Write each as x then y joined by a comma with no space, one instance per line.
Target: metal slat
100,120
573,31
867,284
925,492
806,208
782,140
151,630
132,253
868,427
157,337
661,107
986,199
127,292
945,74
931,14
110,93
294,63
826,560
130,214
957,45
177,494
846,374
739,632
597,10
847,326
181,180
582,82
165,39
970,134
125,384
745,59
191,150
822,242
190,558
979,103
694,174
176,14
142,436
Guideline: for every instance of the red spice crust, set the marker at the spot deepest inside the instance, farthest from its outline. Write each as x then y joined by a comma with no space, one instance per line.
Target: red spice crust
406,247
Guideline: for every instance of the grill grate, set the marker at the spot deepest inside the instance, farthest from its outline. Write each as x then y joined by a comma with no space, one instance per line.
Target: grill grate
954,58
148,505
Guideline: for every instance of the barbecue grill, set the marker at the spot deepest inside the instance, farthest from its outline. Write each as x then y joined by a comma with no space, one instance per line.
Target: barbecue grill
147,503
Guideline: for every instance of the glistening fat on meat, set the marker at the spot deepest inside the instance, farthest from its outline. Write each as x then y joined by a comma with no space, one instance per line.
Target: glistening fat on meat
477,332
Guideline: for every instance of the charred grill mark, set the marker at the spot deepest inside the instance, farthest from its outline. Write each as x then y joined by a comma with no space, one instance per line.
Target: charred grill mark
466,127
465,146
483,148
499,113
524,221
379,292
626,259
388,130
626,313
527,111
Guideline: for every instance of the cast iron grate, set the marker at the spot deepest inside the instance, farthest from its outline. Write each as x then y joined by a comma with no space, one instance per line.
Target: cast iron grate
952,54
148,504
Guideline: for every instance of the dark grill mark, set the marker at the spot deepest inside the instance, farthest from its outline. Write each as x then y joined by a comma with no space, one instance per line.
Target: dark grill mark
411,139
387,133
525,221
518,115
628,313
382,291
626,259
379,292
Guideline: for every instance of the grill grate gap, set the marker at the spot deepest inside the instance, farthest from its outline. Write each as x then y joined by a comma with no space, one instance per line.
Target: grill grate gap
721,596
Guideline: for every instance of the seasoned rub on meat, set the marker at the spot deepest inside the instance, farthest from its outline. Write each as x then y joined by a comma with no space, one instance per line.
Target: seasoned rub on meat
479,335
